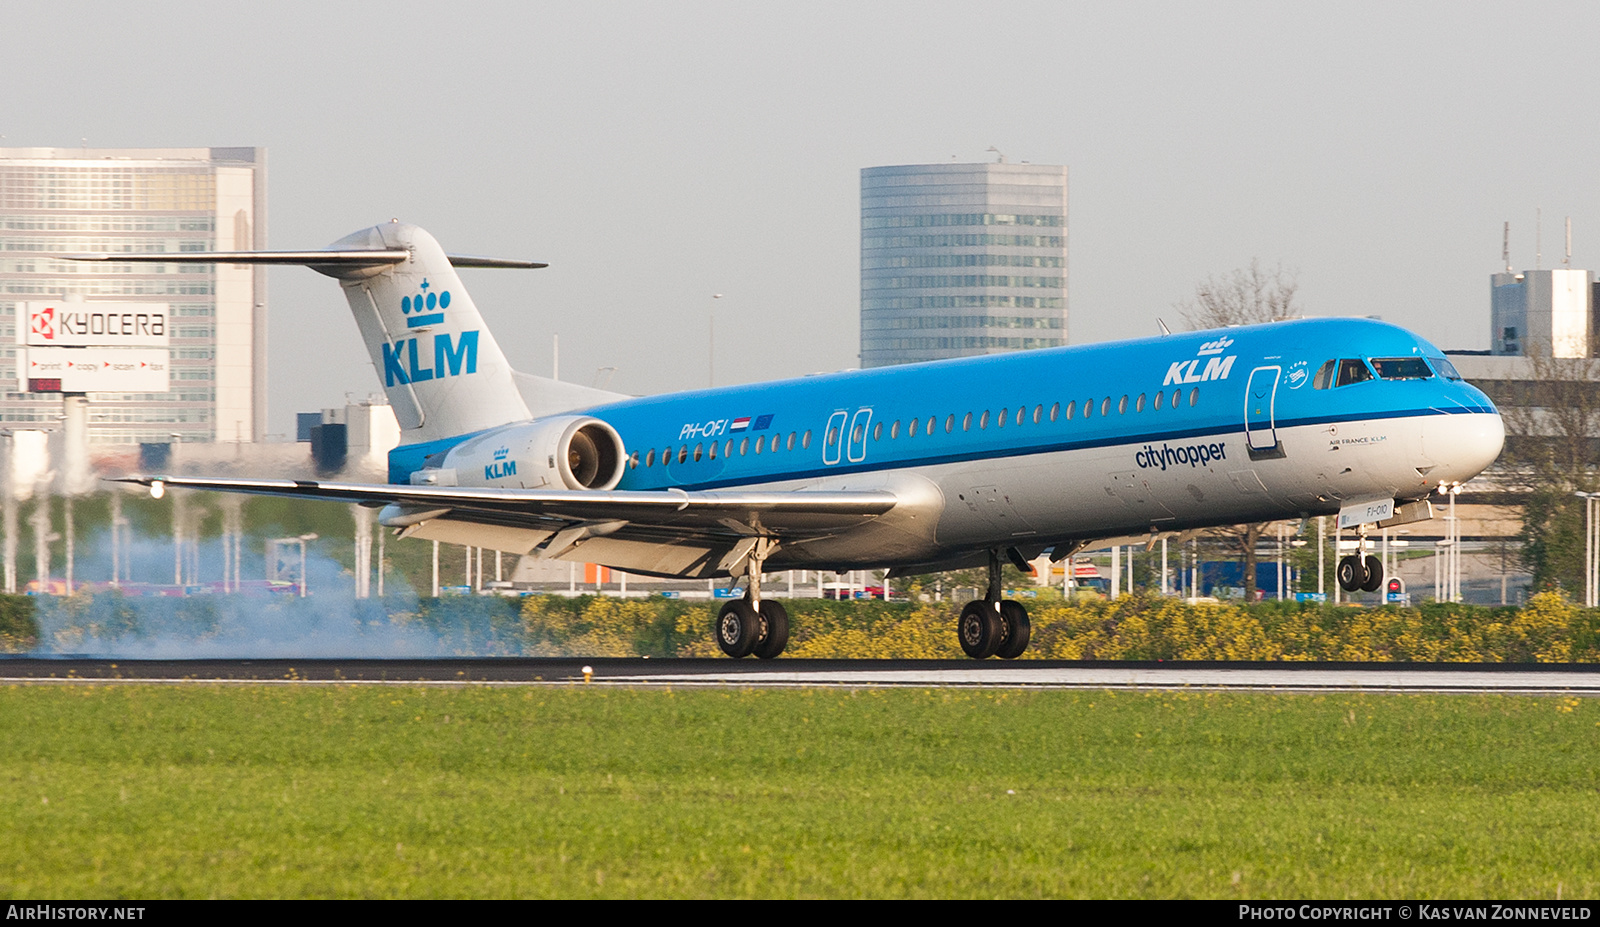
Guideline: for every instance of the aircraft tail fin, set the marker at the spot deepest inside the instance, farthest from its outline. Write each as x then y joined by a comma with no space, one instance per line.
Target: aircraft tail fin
442,371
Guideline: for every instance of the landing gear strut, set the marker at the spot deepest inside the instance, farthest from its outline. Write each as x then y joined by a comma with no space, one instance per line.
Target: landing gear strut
991,627
753,625
1361,570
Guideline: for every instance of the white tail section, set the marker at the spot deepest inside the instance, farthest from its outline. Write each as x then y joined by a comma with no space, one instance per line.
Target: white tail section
443,372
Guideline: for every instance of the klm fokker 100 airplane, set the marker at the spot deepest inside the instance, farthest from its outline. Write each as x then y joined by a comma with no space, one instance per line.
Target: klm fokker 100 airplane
936,466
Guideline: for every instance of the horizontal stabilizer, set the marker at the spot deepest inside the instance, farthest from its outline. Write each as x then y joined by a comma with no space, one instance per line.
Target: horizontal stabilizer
361,258
472,260
375,258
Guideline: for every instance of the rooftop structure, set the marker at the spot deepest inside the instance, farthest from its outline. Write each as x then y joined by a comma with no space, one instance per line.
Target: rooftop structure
1548,312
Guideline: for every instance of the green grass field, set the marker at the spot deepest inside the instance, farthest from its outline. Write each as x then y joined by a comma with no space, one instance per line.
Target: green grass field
219,791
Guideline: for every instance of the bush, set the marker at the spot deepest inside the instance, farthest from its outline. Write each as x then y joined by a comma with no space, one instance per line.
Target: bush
19,628
1549,629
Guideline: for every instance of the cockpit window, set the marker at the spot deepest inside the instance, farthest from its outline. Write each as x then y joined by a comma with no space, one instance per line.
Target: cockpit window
1324,377
1352,370
1445,368
1402,368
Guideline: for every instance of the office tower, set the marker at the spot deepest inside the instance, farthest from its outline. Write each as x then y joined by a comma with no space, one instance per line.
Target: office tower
962,259
149,200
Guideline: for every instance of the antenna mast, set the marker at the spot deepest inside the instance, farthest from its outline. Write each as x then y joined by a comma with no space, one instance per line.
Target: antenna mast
1505,246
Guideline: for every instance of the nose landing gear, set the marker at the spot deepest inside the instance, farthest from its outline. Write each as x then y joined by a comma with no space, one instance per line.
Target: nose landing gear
1360,571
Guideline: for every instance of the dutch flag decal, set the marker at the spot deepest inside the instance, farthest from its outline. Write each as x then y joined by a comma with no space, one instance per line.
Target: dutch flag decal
740,424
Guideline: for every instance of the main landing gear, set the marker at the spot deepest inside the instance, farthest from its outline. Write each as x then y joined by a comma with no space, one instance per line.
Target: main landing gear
992,627
753,625
1360,571
745,627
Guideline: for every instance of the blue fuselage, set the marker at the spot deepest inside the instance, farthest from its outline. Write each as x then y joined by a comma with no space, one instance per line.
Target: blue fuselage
1167,433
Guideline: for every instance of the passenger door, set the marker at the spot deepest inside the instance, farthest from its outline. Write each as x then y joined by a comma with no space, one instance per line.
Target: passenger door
1260,413
856,446
833,438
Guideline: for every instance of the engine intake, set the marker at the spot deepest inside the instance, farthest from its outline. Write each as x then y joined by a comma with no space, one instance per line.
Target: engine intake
591,456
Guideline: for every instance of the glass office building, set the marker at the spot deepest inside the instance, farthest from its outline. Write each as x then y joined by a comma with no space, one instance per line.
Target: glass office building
149,200
962,259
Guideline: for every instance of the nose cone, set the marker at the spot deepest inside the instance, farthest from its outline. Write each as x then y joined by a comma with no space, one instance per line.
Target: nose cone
1464,445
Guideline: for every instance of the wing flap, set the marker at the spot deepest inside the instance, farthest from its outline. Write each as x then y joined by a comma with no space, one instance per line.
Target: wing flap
732,515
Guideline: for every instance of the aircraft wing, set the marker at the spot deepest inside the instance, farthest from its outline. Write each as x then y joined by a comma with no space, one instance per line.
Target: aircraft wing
727,516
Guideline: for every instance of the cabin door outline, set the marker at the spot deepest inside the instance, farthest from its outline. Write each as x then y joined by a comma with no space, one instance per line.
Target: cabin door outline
833,438
1261,413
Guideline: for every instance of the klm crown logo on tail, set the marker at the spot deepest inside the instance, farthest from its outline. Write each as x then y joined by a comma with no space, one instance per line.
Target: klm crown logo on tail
419,309
407,360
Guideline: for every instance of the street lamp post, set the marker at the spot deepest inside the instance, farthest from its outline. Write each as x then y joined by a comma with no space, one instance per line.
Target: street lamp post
711,343
1592,562
1297,579
303,583
1452,579
1280,561
301,541
1591,550
1322,551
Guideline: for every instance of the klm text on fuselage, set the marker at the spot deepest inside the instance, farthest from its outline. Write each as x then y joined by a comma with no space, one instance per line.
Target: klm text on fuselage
405,362
1189,371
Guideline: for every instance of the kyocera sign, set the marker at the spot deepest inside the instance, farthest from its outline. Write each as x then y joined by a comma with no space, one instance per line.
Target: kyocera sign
82,325
93,370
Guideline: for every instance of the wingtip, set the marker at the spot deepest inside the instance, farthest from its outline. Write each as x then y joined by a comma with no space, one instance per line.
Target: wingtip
131,478
473,260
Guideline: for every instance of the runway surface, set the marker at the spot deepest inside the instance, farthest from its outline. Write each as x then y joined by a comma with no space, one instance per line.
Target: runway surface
1574,679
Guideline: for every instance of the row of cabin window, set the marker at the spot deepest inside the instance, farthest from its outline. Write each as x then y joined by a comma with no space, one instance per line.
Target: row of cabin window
1003,416
929,425
699,452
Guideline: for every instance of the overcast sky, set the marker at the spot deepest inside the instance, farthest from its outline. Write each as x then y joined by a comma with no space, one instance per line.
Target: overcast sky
656,153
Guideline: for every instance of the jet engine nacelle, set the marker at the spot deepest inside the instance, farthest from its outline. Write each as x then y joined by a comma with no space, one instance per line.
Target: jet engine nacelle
565,452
